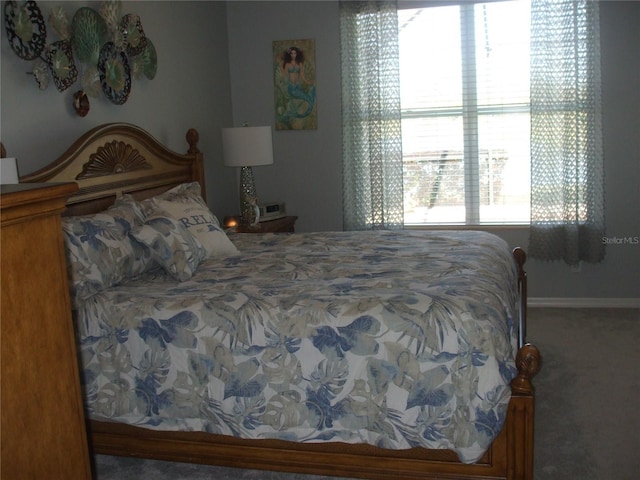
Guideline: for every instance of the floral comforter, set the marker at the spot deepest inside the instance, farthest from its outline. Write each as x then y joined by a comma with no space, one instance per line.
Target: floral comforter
396,339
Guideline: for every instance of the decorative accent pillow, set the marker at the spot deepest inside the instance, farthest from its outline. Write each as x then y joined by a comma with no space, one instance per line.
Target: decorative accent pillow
185,204
99,252
171,245
132,208
180,193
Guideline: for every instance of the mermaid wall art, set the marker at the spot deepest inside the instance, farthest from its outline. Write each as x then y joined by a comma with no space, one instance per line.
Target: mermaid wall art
294,84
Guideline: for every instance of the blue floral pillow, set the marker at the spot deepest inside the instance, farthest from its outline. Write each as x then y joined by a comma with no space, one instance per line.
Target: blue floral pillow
99,252
171,245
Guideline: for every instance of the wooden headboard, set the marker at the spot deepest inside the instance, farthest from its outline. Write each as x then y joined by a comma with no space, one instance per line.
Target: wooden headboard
118,158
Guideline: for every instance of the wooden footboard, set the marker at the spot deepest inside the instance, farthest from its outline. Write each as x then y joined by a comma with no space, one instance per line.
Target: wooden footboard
510,456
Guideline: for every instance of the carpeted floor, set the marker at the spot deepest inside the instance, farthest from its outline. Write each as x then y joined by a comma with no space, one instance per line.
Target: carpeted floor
588,392
587,417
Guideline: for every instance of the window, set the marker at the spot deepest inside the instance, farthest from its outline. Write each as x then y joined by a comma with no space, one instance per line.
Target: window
464,74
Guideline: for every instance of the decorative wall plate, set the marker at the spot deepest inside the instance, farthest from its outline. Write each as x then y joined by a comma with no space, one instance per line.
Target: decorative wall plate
136,39
59,22
146,63
63,68
91,82
101,45
110,11
81,103
26,30
115,73
41,74
89,32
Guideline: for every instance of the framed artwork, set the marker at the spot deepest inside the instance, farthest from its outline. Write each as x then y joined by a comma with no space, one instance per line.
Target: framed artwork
294,68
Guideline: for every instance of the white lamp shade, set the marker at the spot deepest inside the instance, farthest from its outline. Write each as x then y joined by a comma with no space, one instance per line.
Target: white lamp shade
8,171
247,146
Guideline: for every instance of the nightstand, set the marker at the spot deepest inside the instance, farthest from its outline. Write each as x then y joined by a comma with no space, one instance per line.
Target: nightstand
280,225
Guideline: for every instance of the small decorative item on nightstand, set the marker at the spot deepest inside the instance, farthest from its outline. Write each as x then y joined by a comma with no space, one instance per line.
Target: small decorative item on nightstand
230,221
272,211
251,213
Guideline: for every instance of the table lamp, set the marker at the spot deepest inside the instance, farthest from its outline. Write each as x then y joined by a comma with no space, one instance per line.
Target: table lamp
247,147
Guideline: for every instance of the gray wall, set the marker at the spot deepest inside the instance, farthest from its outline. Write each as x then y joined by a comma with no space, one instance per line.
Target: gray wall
307,169
215,71
307,172
191,89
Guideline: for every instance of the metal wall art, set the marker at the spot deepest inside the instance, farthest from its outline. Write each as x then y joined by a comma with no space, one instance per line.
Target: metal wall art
104,49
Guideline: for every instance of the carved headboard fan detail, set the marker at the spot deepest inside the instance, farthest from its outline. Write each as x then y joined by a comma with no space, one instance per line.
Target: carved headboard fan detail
115,157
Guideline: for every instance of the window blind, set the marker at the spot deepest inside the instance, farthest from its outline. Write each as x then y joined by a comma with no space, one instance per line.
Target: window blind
464,73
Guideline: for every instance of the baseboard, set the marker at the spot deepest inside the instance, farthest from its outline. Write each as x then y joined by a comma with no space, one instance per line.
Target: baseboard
583,302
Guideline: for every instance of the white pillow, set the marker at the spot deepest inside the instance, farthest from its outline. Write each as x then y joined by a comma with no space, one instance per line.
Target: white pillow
201,223
185,204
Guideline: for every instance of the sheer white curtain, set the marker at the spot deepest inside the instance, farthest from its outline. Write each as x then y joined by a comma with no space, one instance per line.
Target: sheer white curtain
567,172
372,138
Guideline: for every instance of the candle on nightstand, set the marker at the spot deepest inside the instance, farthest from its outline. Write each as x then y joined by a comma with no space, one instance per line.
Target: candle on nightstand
230,222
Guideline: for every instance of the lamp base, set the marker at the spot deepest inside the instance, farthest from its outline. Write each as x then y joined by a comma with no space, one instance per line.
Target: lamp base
249,211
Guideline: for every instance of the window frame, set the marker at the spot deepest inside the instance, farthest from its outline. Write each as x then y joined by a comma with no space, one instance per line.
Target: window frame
470,112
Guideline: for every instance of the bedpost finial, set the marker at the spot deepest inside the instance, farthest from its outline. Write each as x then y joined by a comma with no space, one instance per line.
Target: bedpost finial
528,364
520,256
192,139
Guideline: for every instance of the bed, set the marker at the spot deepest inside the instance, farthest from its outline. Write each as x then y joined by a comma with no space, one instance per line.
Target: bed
360,354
